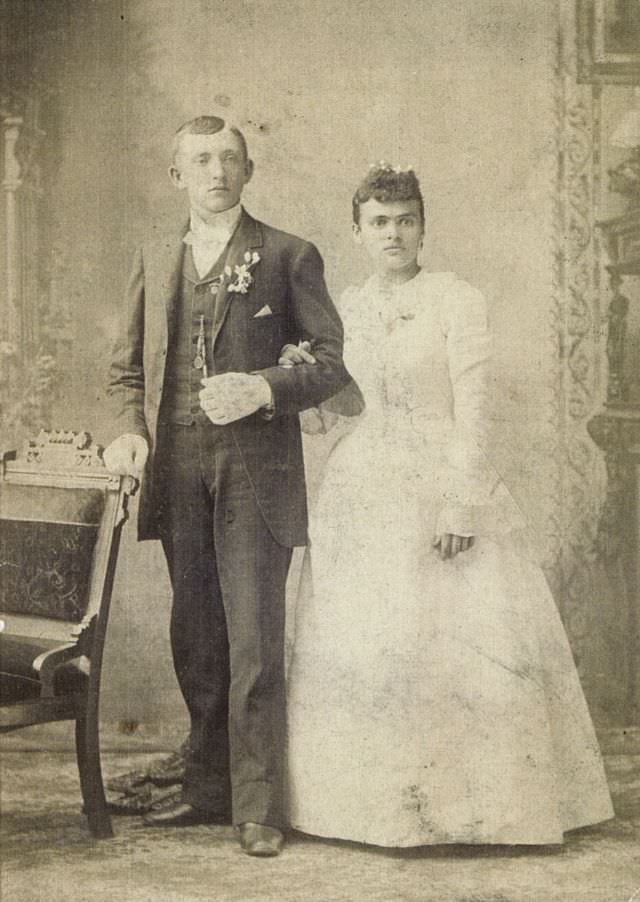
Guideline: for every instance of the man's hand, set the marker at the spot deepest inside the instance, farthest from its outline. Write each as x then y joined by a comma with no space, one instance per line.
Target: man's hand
450,545
127,455
232,396
292,355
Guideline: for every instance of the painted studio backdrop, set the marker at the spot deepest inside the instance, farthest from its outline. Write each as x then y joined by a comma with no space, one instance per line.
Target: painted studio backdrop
509,113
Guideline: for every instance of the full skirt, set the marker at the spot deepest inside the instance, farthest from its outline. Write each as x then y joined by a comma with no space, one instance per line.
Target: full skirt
430,701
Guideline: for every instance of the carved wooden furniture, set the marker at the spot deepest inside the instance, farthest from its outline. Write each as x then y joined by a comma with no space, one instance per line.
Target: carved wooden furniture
616,430
61,514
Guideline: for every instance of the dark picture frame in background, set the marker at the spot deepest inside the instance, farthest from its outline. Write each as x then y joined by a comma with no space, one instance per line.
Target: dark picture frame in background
608,34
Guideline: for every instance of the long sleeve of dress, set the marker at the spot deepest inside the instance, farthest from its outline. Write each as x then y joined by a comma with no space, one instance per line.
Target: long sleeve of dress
469,483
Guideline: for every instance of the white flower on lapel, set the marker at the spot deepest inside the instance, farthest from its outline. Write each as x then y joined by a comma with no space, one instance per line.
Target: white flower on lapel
242,273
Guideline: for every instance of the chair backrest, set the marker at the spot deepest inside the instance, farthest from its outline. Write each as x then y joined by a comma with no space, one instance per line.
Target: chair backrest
60,518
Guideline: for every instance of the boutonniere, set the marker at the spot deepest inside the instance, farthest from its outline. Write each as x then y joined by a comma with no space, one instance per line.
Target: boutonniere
242,273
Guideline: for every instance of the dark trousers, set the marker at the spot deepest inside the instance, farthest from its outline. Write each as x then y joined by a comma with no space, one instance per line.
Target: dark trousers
227,625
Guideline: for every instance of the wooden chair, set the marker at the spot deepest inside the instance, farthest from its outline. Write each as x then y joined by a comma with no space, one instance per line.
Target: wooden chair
61,514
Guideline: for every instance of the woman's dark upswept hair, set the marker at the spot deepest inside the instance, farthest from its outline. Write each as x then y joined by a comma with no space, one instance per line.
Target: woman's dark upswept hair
386,185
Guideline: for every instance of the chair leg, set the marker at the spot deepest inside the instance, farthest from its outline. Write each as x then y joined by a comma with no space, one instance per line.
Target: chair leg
88,755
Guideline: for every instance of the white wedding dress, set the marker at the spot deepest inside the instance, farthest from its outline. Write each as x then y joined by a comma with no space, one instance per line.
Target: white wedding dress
430,701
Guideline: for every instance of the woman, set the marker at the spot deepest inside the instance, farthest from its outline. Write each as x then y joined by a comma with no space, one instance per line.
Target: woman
433,696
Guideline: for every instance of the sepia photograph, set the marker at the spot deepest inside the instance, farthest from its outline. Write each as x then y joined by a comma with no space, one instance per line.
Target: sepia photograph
320,450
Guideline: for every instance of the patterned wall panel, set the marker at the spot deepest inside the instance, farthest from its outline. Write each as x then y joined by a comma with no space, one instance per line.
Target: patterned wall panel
577,335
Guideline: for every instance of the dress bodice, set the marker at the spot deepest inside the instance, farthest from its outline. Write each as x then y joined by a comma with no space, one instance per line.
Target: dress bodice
421,355
397,351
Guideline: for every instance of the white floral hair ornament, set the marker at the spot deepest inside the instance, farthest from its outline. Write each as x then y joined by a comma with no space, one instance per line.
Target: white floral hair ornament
389,167
242,273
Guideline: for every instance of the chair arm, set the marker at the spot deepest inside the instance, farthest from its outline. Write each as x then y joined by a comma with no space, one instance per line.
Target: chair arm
48,662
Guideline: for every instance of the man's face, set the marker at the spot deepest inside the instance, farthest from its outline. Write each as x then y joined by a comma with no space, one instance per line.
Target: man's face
213,169
391,233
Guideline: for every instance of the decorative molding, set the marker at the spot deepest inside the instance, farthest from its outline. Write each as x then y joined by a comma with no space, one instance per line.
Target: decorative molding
62,448
576,329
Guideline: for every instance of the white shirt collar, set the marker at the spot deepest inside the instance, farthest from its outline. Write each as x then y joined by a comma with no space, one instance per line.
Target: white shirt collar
221,226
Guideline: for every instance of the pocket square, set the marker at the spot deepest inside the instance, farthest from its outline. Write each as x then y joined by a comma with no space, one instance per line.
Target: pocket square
263,311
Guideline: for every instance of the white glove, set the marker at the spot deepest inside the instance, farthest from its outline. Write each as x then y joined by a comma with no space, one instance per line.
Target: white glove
127,455
232,396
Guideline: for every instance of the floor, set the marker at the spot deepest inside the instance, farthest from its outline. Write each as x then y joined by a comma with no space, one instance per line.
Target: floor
48,856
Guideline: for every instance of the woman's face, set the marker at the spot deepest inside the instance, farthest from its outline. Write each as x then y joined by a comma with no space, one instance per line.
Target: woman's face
391,233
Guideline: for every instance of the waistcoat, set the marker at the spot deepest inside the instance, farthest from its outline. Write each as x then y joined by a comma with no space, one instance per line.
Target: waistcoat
194,308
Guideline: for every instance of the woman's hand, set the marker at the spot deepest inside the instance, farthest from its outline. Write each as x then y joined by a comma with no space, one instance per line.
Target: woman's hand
293,355
449,544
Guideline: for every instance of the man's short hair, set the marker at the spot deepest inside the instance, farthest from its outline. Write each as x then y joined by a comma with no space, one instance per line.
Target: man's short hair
387,184
206,125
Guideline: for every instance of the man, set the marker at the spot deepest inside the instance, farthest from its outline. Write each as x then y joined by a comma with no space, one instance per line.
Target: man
202,407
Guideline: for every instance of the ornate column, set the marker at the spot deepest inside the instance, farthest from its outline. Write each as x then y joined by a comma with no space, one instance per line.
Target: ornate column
26,364
21,137
12,328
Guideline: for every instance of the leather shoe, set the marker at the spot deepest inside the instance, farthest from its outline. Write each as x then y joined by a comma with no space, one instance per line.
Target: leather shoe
261,840
181,814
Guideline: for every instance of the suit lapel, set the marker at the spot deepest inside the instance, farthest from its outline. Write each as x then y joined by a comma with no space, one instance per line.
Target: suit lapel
172,262
248,235
162,278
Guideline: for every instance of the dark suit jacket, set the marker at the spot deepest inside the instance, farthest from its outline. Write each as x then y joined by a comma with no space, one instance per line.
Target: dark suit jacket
289,279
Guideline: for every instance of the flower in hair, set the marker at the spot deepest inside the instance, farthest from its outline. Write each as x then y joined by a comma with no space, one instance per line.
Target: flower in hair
389,167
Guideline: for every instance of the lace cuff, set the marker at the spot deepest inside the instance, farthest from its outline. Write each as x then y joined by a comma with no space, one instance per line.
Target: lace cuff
457,519
491,512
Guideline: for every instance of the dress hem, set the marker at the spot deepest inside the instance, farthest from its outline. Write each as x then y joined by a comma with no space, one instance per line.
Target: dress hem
454,841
